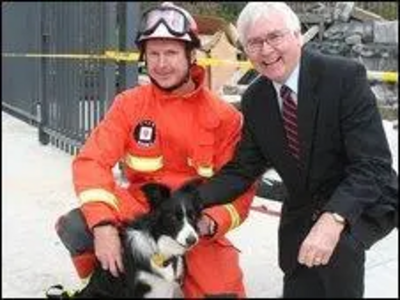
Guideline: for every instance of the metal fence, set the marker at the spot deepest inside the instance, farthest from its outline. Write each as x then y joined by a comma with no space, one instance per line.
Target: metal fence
21,80
54,75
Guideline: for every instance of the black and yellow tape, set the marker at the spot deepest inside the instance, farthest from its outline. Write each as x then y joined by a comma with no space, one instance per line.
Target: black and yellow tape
108,55
390,77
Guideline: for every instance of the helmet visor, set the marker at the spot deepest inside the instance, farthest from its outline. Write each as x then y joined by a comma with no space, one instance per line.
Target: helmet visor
173,19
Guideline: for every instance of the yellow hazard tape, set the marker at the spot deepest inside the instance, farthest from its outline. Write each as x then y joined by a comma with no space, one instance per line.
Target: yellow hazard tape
391,77
128,57
108,55
213,62
42,55
125,56
383,76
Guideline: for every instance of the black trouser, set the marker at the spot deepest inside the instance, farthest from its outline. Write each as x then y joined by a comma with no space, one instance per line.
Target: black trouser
342,277
74,233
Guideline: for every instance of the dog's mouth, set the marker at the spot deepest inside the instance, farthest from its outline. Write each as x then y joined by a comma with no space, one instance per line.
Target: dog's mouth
175,246
187,239
185,247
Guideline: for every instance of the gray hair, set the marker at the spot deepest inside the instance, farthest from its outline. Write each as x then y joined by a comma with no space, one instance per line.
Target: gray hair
253,11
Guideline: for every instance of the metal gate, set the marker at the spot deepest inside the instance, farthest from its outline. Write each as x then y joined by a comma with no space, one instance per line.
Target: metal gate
54,72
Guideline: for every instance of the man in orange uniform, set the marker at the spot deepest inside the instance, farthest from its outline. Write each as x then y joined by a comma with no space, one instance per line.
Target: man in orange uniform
169,131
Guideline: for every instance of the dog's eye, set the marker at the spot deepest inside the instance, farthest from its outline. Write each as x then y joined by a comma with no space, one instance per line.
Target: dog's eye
173,215
170,214
194,215
179,215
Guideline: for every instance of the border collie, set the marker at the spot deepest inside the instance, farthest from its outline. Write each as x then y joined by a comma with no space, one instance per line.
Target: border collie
153,248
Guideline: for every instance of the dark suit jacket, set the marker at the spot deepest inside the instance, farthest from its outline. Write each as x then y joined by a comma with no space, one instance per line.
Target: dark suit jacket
345,163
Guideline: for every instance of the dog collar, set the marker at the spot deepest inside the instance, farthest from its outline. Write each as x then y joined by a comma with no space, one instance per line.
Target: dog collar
160,260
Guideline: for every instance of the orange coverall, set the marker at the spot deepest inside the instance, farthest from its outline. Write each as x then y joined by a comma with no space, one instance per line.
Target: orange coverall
167,139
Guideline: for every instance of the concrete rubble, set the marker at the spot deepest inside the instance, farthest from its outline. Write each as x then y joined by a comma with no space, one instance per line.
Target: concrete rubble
367,38
346,30
361,35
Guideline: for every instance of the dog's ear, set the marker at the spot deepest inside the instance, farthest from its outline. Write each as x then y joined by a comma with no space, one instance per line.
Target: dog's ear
156,193
188,193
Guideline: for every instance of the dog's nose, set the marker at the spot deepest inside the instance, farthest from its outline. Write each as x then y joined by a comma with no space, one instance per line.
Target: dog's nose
191,240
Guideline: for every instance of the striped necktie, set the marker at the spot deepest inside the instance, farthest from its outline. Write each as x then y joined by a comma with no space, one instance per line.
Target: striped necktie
289,115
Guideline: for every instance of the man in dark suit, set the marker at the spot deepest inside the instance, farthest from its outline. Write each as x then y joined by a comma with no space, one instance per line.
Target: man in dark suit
315,120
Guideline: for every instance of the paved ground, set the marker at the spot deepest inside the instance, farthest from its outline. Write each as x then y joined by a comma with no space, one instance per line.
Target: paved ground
36,188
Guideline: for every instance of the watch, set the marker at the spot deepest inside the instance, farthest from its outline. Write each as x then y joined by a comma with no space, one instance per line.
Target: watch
338,218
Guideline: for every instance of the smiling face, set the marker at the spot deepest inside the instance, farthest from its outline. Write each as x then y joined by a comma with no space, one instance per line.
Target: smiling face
167,61
281,50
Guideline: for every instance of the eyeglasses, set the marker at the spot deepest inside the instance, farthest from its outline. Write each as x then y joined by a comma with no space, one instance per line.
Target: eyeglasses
173,19
273,39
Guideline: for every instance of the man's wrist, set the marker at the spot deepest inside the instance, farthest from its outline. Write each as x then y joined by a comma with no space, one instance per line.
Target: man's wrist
207,226
212,228
338,218
105,223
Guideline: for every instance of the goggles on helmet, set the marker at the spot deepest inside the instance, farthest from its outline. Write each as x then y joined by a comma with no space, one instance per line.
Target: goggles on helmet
173,19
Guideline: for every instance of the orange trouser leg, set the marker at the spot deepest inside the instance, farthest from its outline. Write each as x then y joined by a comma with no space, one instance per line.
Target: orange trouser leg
84,264
76,237
213,271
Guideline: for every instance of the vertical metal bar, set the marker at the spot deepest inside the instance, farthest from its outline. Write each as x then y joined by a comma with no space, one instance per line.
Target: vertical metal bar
79,70
102,64
70,67
98,63
56,100
43,117
110,43
93,64
75,75
52,67
129,13
71,82
86,111
82,65
61,71
67,86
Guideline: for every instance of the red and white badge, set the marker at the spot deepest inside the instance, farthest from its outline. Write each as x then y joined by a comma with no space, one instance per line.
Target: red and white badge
145,133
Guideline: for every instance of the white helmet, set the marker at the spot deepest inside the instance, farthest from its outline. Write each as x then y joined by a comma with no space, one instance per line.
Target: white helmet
168,21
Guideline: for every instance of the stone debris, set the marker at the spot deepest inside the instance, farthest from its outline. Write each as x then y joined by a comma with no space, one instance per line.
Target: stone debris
366,37
344,29
361,35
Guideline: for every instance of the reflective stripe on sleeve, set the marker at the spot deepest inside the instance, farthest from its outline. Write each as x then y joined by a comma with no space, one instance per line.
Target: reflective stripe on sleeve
235,218
99,195
204,171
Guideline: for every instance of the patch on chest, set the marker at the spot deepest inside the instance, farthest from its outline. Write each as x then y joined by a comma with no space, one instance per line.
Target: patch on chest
145,133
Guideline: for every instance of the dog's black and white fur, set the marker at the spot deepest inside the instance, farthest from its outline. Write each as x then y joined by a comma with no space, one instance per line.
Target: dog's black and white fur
153,245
